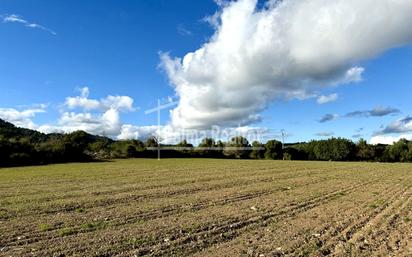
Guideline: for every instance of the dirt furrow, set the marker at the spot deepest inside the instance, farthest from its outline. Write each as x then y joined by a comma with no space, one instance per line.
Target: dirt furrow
373,235
345,234
206,207
35,236
140,197
213,234
153,183
213,231
329,233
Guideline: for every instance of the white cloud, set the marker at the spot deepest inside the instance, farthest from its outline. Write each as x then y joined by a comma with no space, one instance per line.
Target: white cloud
137,132
323,99
99,117
23,118
14,18
103,117
290,47
82,102
121,103
388,140
107,123
402,125
353,75
402,128
84,92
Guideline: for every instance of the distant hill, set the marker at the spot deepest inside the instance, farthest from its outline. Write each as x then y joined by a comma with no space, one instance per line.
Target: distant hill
20,146
8,130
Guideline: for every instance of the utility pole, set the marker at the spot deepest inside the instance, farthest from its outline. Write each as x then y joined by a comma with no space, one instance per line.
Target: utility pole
158,109
158,129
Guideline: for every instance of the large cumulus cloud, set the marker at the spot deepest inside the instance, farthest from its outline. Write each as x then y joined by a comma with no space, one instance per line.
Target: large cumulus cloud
289,48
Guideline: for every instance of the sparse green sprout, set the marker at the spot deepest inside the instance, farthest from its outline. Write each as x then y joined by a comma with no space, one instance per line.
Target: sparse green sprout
3,213
66,232
45,227
90,226
80,210
377,204
309,248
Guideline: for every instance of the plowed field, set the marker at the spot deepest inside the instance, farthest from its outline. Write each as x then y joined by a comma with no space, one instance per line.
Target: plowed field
206,207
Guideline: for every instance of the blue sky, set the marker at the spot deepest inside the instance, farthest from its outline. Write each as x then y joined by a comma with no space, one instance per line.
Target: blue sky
112,48
51,50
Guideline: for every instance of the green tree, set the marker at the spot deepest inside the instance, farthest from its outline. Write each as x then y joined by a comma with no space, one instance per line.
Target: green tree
408,156
273,150
235,148
187,148
293,153
399,151
151,142
76,144
257,151
364,151
334,149
131,151
206,146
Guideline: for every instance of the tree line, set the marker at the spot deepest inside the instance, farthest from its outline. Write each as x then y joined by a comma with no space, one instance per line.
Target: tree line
20,146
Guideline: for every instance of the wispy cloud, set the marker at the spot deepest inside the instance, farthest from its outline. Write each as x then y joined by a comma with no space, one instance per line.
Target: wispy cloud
182,30
358,133
375,112
325,134
379,111
328,117
357,136
323,99
14,18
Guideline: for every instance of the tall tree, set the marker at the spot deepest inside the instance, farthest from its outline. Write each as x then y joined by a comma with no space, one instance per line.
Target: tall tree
235,148
364,151
257,151
273,150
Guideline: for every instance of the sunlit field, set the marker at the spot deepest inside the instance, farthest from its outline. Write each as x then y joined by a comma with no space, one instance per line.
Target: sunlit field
206,207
